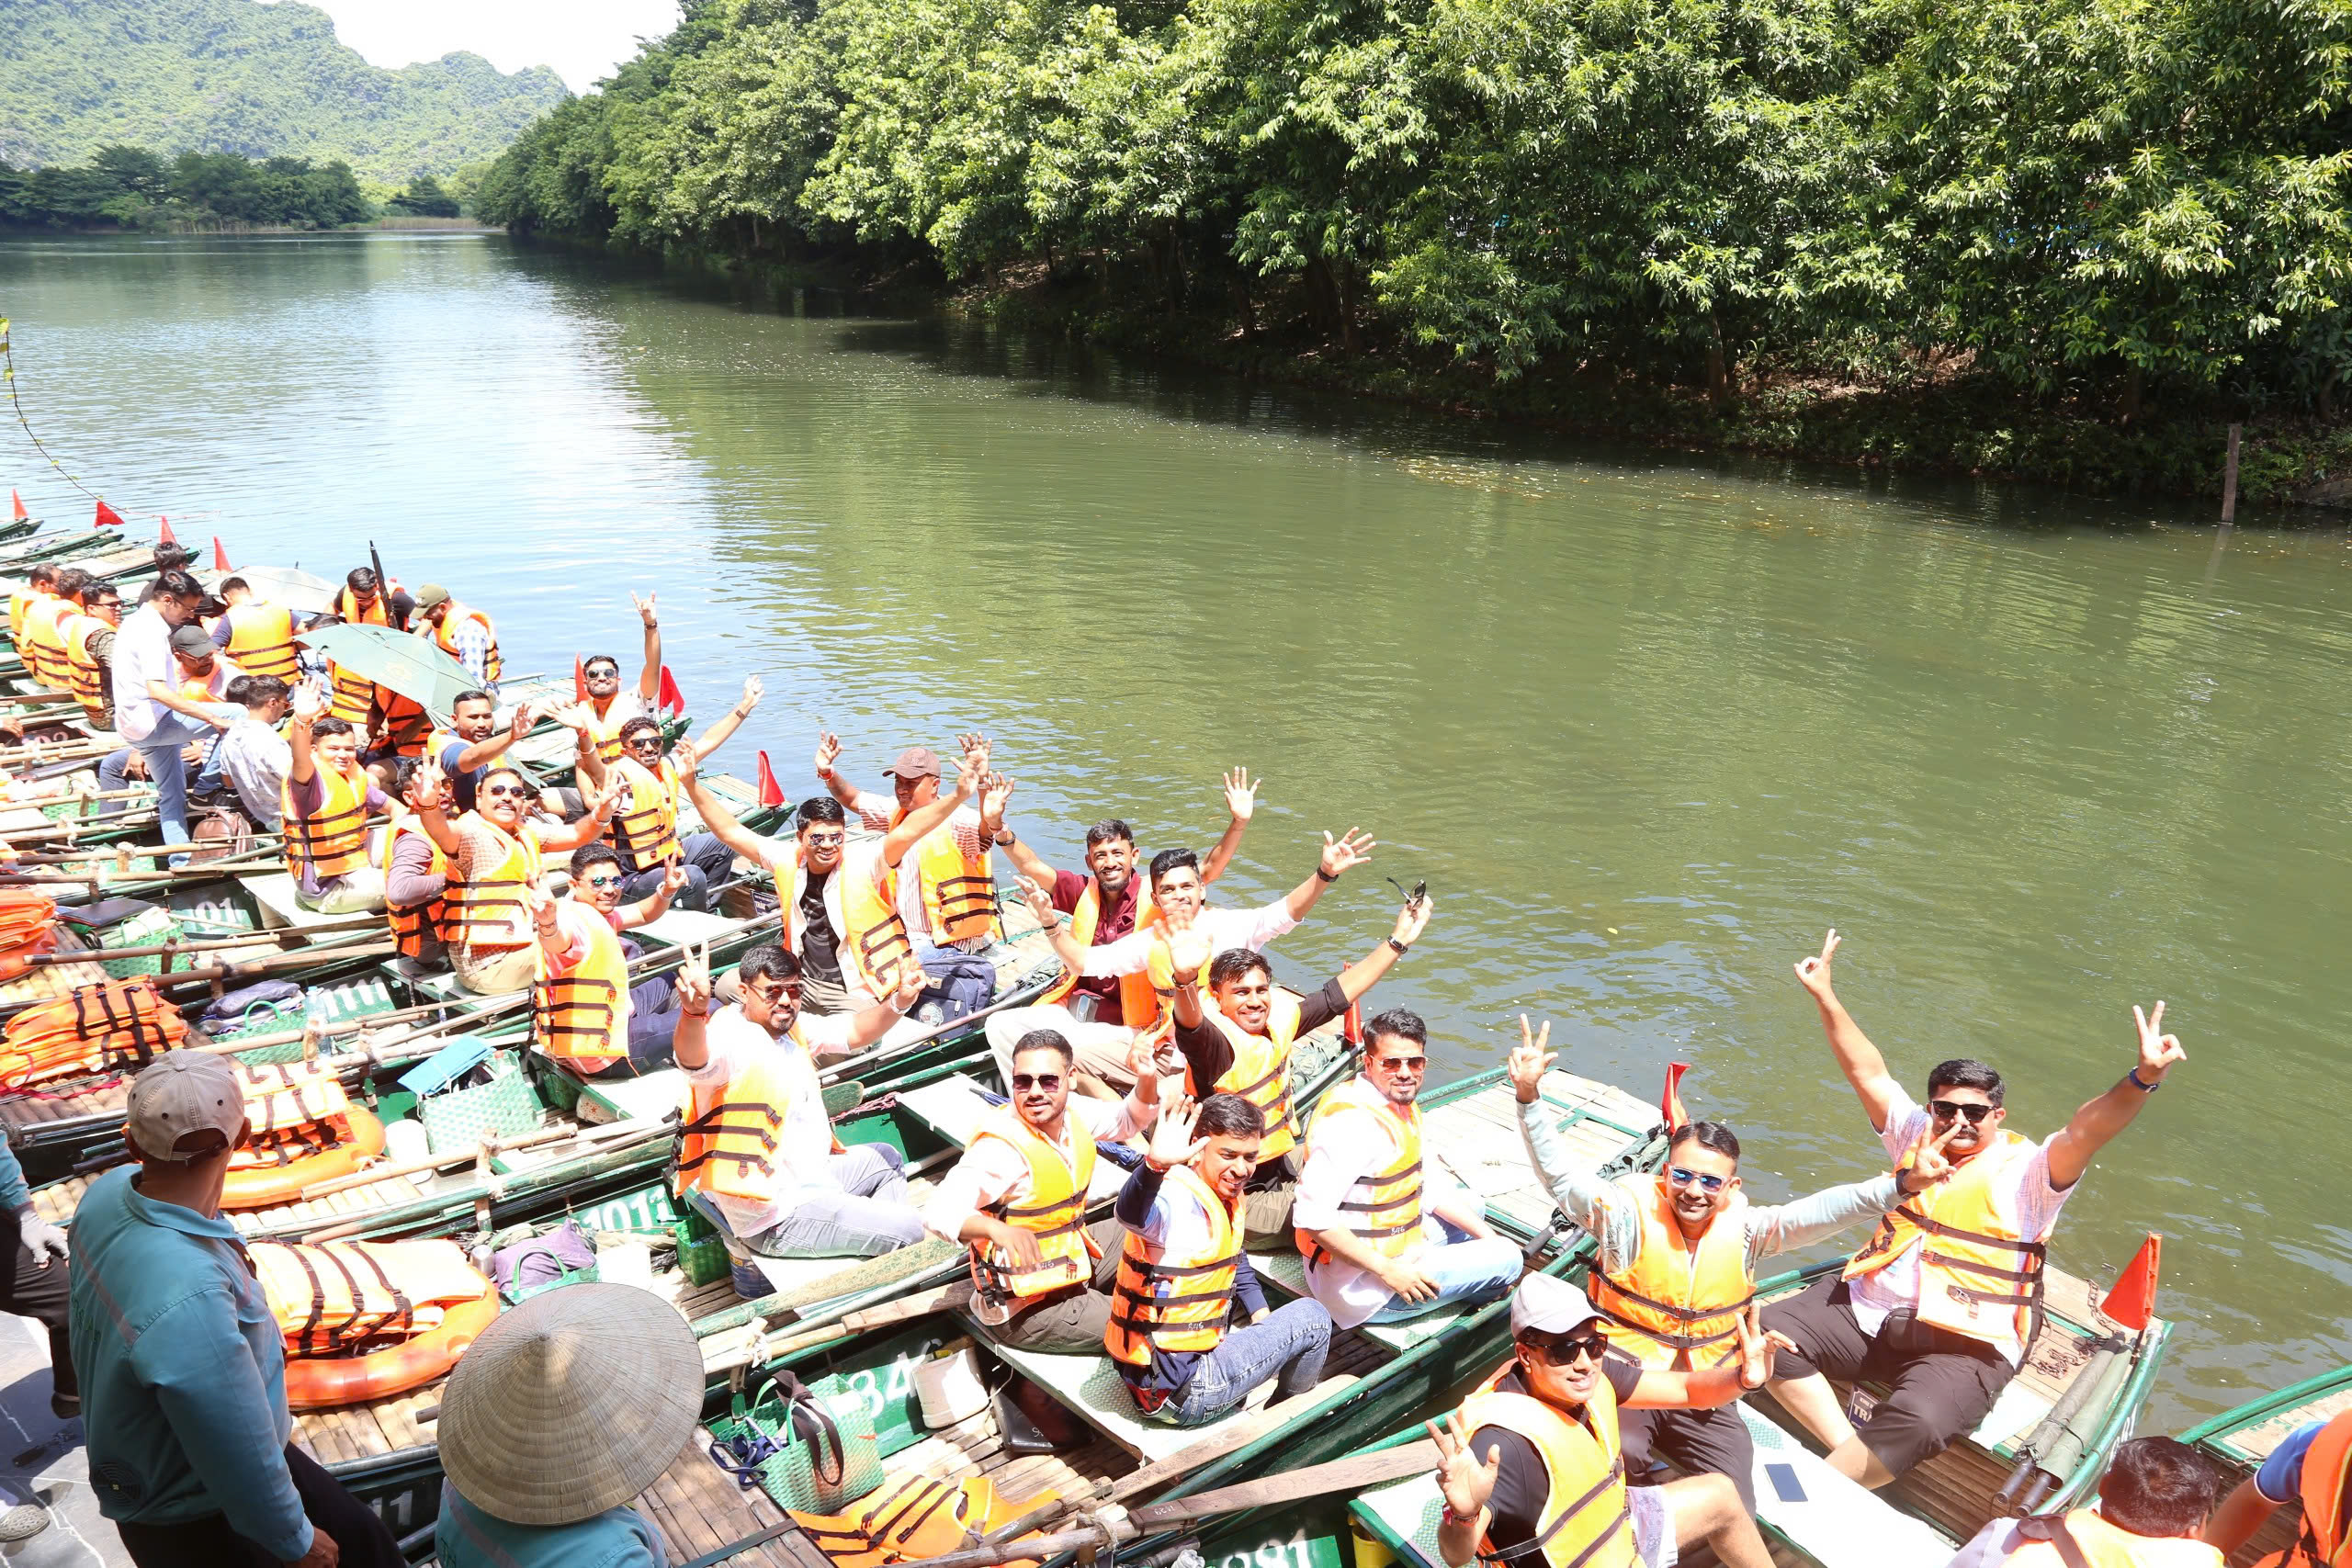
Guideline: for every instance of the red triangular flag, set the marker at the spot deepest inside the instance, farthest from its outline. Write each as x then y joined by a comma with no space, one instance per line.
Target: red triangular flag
220,555
1351,1026
579,680
108,517
17,505
165,536
771,792
672,700
2133,1299
1669,1104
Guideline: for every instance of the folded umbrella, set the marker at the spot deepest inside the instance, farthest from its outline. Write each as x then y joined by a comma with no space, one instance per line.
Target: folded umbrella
400,660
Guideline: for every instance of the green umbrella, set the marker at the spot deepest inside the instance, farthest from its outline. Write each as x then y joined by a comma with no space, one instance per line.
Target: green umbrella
406,663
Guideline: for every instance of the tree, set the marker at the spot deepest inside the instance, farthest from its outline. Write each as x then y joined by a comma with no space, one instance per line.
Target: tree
424,199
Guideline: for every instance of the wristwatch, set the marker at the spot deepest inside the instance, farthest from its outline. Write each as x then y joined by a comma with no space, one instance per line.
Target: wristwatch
1402,947
1004,836
2144,1087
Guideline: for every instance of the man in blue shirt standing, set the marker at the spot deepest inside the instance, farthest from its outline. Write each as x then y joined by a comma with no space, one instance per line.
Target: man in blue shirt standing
183,1363
36,1288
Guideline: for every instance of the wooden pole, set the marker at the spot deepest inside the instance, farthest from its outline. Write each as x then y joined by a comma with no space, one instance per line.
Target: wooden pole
2229,478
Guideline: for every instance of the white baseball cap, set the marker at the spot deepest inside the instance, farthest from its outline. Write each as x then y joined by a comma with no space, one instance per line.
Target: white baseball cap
178,1093
1548,1306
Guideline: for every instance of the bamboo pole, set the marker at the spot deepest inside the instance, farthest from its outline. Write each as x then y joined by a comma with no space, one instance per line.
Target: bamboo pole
276,937
2229,478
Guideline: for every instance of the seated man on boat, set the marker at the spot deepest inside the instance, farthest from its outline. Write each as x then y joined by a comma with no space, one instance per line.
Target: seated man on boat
585,1012
417,872
840,901
325,805
1387,1234
946,891
40,582
1237,1040
465,634
1676,1257
2313,1465
1018,1197
152,708
38,644
1100,1015
1945,1326
645,824
608,706
1530,1467
562,1413
473,741
494,854
757,1153
256,635
2153,1499
183,1362
1182,1277
89,650
251,758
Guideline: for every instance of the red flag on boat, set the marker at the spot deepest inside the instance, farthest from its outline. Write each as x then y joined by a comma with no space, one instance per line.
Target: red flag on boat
108,517
16,506
220,555
672,700
1669,1104
1351,1026
771,792
579,680
2133,1299
165,536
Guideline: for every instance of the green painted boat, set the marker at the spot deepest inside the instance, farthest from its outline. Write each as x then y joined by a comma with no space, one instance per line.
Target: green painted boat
2239,1440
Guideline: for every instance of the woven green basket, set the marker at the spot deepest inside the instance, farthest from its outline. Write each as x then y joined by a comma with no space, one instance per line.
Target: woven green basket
791,1476
152,929
457,1120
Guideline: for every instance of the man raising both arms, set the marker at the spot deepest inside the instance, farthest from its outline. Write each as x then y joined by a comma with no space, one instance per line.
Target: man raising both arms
1946,1326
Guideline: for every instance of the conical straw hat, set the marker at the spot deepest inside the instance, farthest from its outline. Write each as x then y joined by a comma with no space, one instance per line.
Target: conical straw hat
571,1404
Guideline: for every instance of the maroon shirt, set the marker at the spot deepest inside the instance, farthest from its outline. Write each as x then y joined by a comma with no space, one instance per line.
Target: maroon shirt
1117,919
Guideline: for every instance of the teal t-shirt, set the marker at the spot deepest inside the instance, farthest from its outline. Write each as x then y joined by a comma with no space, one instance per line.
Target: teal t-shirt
617,1538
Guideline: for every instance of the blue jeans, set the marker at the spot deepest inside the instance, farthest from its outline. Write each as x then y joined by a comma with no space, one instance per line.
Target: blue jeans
166,772
870,1213
1291,1345
707,863
1467,1269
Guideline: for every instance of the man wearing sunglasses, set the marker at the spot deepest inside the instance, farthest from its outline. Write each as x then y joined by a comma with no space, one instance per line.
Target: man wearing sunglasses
1018,1199
757,1154
495,855
645,824
1530,1467
600,677
1678,1254
1387,1235
585,1012
1945,1325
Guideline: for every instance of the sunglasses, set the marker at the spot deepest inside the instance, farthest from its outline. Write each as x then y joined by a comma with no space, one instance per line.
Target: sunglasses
500,792
643,743
1024,1082
1561,1349
769,993
827,841
1681,1178
1400,1064
1946,1110
604,882
597,672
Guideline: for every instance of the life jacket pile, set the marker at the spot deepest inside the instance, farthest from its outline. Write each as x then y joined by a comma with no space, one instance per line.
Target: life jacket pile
1978,1276
1261,1072
340,1298
1138,1001
112,1026
28,929
912,1516
1177,1300
296,1108
1587,1521
1679,1295
1384,1207
1053,1212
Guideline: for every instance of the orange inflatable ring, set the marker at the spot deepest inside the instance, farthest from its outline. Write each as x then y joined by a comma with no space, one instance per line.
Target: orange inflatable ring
259,1187
323,1383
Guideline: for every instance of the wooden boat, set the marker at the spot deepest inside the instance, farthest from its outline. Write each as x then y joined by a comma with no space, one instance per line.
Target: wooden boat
2239,1440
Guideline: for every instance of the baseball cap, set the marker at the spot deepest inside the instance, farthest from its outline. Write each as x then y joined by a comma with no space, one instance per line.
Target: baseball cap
915,763
178,1093
1548,1306
432,593
194,641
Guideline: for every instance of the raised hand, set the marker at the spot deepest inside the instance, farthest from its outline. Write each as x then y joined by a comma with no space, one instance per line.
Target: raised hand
1040,899
1172,1143
829,751
995,791
541,904
1530,1060
1241,794
673,881
1813,970
309,702
1414,918
431,780
644,608
1757,1346
601,807
1927,1160
970,772
687,762
573,717
753,690
694,980
1352,849
1188,953
978,743
523,718
1468,1484
2158,1051
1143,1057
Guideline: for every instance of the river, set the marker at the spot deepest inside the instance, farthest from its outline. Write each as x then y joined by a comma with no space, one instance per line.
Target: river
1647,724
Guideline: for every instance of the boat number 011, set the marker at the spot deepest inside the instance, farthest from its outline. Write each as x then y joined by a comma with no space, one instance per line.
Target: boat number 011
1297,1552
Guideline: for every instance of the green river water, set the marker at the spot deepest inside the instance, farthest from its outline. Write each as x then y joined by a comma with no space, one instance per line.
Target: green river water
1647,724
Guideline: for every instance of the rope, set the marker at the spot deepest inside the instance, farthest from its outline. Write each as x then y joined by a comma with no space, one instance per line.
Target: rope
16,402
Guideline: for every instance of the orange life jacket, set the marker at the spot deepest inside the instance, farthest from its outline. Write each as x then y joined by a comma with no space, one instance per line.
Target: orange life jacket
86,680
404,724
26,914
2098,1544
581,1019
1178,1301
1978,1276
1679,1296
1136,1001
727,1144
446,637
875,948
333,841
1261,1071
417,926
111,1025
959,890
912,1516
645,831
40,647
1586,1521
2324,1537
604,729
1384,1207
296,1109
1053,1212
487,911
334,1296
260,640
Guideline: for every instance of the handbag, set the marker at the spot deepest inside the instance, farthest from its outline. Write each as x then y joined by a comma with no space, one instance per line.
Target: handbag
456,1120
562,1257
782,1437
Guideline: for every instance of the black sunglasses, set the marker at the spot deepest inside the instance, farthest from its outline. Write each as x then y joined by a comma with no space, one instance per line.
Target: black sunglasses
1561,1349
1024,1082
500,792
1946,1110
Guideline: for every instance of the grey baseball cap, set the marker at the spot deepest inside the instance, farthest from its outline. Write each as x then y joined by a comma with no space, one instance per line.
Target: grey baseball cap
182,1093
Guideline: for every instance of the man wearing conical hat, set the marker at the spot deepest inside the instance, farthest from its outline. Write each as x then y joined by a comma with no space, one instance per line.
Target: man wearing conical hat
565,1409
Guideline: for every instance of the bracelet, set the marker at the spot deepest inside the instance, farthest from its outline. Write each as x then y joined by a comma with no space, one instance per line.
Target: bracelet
1402,947
1322,875
1450,1517
702,1011
1004,836
2144,1087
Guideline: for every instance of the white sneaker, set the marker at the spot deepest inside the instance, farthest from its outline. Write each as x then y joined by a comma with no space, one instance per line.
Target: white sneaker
23,1522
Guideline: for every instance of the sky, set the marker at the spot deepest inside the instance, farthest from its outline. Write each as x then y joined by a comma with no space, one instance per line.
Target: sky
583,40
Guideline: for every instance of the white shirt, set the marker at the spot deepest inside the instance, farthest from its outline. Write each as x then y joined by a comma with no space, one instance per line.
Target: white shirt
1252,928
142,653
992,1171
2034,1200
857,859
805,1143
1341,1152
257,759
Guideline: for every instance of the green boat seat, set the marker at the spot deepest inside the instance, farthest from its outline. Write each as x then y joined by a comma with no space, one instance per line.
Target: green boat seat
429,983
274,892
952,1108
1090,1389
1478,1139
1282,1268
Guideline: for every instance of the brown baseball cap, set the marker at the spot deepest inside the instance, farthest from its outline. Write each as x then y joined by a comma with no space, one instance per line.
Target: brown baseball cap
430,594
178,1093
915,763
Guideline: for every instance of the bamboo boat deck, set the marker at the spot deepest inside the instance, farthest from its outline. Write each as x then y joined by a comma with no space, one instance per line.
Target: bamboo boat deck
2239,1440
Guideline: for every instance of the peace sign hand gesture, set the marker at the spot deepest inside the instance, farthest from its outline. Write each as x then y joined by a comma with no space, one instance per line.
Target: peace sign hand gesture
2158,1051
694,980
1813,971
1467,1483
1757,1348
1926,1164
1530,1061
1172,1143
1040,899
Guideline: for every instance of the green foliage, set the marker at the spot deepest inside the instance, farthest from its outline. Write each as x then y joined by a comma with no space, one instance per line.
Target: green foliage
237,76
130,188
2094,204
424,199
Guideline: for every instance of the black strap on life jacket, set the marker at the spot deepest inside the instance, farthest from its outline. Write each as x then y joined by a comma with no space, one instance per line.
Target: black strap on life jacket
1532,1548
